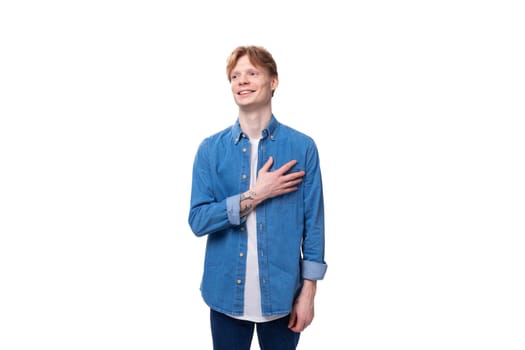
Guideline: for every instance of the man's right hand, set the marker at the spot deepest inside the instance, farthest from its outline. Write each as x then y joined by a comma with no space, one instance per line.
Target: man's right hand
275,183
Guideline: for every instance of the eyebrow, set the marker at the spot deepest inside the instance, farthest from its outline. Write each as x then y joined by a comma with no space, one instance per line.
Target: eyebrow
246,70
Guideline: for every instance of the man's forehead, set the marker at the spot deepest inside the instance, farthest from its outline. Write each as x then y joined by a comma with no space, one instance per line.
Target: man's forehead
244,63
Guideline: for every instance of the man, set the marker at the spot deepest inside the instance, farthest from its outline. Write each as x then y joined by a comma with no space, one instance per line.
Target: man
257,196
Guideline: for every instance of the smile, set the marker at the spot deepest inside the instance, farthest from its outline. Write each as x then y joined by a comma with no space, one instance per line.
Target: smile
244,92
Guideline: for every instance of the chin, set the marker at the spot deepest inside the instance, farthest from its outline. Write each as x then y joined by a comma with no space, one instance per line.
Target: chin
243,103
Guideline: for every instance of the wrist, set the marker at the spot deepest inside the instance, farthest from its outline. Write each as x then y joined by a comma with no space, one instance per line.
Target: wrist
309,287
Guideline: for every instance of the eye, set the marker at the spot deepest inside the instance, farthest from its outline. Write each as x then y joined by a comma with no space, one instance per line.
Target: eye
234,76
253,74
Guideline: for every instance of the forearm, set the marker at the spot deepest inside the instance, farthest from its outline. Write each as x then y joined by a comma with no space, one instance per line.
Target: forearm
248,201
309,289
208,218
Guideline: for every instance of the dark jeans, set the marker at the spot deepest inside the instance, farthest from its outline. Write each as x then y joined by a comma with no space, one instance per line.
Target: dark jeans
232,334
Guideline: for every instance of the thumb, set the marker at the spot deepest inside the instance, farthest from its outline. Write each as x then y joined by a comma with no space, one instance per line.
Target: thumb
293,320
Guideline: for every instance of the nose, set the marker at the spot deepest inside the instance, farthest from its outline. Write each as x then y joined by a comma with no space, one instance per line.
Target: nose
243,79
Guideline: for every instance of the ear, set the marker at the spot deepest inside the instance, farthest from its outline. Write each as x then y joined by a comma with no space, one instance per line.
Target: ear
275,82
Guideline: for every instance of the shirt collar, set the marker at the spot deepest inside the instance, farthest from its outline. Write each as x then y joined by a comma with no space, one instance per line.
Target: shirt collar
269,131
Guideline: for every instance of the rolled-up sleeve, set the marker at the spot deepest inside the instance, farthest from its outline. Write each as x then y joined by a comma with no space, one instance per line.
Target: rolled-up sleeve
312,270
233,208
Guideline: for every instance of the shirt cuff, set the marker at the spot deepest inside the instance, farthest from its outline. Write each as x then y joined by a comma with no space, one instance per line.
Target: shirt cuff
233,207
312,270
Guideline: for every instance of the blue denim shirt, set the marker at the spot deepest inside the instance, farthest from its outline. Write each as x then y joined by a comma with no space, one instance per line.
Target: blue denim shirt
290,228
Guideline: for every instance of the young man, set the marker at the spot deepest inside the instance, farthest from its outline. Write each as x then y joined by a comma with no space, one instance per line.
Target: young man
257,196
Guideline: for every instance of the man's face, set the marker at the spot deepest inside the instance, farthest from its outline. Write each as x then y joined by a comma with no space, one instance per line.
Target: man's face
251,86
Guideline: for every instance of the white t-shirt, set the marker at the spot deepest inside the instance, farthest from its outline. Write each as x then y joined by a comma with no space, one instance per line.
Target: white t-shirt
252,290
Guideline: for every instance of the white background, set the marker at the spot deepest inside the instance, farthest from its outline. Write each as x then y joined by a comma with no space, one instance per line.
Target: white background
417,109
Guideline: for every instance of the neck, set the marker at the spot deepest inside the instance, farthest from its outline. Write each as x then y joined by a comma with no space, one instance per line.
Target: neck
253,123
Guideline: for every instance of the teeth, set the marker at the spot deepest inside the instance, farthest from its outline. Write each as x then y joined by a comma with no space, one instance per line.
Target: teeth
244,92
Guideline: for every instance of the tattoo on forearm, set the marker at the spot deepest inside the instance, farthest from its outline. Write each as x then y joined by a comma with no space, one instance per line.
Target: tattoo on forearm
246,208
246,196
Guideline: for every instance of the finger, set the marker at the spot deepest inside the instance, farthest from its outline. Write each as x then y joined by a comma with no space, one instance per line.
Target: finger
293,319
297,328
294,176
288,190
268,164
287,166
293,183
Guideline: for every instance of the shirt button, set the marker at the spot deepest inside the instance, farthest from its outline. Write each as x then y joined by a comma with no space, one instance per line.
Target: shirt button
242,228
241,254
238,281
244,150
244,177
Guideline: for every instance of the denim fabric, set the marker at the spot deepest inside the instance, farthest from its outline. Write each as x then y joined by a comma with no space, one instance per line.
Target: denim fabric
232,334
290,228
